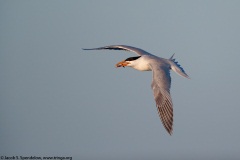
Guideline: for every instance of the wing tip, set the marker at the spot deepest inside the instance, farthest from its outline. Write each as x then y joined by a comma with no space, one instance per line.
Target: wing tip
170,132
90,48
169,129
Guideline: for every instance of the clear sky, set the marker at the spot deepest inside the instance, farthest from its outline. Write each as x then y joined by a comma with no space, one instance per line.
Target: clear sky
58,100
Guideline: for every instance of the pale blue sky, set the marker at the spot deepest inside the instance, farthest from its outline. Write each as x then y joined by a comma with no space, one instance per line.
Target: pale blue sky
56,99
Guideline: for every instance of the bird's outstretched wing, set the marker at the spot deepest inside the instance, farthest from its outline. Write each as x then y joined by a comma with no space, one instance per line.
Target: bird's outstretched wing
161,90
138,51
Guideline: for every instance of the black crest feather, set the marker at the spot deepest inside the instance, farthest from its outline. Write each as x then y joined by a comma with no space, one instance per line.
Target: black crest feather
132,58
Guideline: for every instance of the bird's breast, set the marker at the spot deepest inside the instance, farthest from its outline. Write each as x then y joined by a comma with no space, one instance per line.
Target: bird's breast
141,64
142,67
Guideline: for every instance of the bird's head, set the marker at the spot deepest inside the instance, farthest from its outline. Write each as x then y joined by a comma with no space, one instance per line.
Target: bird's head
127,62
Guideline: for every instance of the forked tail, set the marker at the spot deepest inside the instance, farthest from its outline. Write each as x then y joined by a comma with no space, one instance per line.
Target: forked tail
177,68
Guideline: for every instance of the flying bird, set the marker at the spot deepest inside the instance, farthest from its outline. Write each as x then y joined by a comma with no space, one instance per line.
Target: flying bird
161,81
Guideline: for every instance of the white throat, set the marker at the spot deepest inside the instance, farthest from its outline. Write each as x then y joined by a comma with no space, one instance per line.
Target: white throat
139,64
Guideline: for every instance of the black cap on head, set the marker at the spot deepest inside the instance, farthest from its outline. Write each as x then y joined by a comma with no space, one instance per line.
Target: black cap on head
132,58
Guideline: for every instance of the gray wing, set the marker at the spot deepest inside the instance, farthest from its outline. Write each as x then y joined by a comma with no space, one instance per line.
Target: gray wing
161,89
138,51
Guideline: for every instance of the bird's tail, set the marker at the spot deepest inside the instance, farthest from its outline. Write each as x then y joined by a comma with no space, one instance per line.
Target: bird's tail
176,67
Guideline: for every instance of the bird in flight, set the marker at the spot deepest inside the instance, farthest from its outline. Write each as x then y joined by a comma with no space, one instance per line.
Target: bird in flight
161,81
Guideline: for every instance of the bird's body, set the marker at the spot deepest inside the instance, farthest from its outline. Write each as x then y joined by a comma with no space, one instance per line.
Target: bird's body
161,82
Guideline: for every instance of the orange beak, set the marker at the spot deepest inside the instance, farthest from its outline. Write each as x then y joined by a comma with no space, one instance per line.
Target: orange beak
122,64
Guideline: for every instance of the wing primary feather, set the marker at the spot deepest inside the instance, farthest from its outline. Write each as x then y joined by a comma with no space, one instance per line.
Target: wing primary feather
138,51
166,114
161,90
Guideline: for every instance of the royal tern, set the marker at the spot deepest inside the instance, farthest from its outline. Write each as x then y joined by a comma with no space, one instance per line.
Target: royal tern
161,81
